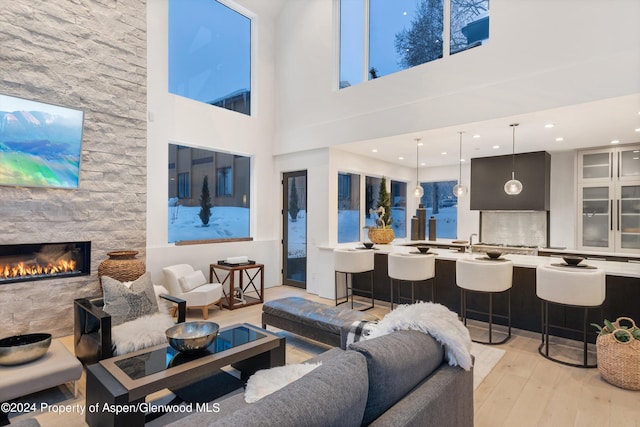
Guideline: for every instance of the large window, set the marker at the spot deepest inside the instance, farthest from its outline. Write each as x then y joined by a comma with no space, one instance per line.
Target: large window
399,208
210,54
405,33
439,201
348,207
371,189
204,203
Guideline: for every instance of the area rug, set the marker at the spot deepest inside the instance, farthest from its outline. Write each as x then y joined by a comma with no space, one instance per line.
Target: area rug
486,358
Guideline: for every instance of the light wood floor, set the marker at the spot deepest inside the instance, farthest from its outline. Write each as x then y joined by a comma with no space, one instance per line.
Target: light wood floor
524,389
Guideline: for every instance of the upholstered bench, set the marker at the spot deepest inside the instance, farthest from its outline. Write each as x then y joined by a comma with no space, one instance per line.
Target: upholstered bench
56,367
320,322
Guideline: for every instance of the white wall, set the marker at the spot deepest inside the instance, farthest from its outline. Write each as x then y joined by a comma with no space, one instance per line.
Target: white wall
562,221
541,54
180,120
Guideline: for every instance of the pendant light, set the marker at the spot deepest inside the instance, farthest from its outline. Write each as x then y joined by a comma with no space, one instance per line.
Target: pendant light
418,191
513,186
460,190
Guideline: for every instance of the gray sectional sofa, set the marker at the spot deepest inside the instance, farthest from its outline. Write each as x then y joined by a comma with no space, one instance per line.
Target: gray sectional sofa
400,379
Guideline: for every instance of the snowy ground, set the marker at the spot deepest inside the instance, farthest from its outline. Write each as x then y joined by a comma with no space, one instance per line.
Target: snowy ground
225,222
228,222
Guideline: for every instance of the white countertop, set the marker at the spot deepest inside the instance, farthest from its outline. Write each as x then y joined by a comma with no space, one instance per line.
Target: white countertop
613,268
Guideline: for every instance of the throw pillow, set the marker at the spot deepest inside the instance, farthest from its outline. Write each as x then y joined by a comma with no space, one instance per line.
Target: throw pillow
266,381
192,281
127,303
163,305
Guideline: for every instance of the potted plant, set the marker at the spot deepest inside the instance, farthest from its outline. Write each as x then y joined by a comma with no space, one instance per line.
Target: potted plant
382,233
618,351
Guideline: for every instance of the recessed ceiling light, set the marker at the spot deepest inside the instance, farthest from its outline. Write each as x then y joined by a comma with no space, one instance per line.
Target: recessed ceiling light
423,164
375,150
400,158
420,144
615,141
549,125
444,153
495,147
637,129
476,136
636,151
558,139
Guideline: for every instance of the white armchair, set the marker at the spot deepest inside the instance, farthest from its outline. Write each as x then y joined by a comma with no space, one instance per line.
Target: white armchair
182,281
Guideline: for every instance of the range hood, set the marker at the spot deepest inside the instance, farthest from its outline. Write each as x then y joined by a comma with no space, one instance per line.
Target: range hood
488,175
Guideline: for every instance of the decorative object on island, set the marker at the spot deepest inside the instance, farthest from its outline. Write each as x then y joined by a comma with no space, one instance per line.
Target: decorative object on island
382,233
513,187
122,266
432,228
418,191
618,351
21,349
459,189
421,213
192,337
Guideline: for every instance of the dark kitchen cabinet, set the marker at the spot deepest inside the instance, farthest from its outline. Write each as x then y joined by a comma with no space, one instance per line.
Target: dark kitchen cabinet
489,174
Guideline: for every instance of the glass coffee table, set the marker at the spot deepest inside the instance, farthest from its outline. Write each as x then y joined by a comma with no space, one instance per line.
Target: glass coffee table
117,387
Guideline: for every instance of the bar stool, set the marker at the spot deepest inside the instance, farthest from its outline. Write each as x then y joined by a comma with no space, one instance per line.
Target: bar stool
350,262
569,286
412,268
488,277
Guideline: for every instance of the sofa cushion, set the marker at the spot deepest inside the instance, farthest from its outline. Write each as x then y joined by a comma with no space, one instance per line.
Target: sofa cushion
128,303
394,368
334,394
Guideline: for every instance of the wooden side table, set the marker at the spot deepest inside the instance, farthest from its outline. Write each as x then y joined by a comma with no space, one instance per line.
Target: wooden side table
239,294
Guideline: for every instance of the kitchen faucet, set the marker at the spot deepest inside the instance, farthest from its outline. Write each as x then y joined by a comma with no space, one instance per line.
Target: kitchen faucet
471,241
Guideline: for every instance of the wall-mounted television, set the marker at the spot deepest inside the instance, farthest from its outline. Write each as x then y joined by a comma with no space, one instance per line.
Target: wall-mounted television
40,144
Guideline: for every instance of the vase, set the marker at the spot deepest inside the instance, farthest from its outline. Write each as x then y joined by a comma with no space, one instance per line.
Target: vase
381,236
122,266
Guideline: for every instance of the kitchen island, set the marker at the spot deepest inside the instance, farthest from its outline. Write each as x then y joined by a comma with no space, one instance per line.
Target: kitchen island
622,287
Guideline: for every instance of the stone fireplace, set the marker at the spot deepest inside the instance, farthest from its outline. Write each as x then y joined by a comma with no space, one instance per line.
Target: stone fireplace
40,261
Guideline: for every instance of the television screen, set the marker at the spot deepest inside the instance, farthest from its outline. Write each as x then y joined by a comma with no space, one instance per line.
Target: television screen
40,144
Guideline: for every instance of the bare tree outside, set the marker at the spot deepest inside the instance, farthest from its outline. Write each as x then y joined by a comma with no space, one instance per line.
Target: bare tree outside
422,41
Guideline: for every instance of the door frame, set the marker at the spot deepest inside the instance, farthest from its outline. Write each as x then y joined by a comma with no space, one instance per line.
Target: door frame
285,228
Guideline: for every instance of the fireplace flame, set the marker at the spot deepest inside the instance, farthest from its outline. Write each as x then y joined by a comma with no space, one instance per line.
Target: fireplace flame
22,270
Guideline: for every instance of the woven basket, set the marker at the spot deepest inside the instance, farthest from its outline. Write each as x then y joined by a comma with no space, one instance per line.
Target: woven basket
122,266
381,236
619,362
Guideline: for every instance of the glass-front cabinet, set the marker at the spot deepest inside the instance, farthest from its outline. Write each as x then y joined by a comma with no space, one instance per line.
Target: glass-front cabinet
609,197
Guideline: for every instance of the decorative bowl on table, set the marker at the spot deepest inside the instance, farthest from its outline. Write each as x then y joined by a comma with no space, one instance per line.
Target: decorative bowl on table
21,349
367,245
423,249
572,260
192,337
494,254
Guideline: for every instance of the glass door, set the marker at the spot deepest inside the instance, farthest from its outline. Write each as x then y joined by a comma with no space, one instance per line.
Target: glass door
294,229
595,165
629,163
628,211
596,221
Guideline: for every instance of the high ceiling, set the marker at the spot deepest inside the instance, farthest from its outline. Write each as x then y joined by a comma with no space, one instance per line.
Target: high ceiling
593,124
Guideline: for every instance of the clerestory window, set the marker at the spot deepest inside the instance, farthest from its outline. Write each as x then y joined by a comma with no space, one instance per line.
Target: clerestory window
381,37
210,54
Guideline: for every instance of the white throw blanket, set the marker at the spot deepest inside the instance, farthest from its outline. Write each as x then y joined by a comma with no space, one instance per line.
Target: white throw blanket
433,319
